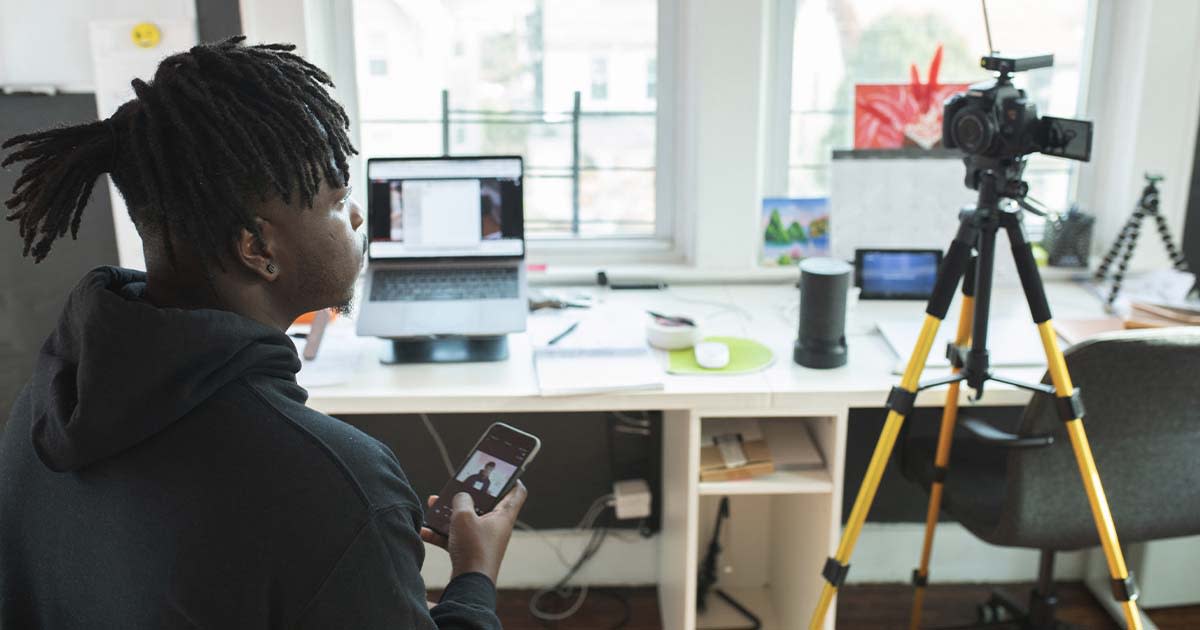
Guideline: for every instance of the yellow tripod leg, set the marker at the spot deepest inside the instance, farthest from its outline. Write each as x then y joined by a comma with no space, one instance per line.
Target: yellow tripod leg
941,461
883,450
1061,380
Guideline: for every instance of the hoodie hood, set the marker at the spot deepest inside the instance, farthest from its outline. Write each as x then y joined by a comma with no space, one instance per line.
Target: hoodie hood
117,370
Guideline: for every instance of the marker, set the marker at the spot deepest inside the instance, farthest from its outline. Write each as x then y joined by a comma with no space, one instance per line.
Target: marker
647,285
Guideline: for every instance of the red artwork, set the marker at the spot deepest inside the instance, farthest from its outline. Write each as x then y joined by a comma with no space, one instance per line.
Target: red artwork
895,115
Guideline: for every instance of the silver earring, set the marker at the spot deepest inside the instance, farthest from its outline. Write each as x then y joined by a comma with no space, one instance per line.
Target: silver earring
270,267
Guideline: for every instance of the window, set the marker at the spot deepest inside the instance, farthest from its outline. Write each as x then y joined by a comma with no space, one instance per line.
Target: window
560,83
599,79
839,43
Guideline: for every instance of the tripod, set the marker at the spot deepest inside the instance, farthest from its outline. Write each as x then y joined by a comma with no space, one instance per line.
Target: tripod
1127,239
995,180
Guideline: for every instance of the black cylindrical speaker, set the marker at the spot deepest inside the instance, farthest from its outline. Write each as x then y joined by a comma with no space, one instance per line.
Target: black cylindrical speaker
823,286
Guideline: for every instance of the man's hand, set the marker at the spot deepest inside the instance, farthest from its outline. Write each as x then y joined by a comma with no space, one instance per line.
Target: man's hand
477,543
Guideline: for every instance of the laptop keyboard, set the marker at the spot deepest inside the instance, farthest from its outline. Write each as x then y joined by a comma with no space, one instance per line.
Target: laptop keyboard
423,285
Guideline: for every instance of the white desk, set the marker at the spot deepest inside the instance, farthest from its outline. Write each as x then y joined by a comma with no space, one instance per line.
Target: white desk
797,525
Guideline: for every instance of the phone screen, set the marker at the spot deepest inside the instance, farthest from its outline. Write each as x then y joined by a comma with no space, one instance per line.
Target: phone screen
488,472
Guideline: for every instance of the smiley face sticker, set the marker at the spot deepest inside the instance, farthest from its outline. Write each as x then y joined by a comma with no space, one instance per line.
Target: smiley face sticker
146,35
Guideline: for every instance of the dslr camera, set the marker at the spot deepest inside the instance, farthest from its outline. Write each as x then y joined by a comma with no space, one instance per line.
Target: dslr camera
994,121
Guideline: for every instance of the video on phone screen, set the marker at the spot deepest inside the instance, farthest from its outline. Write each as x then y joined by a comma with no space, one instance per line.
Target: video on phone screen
485,474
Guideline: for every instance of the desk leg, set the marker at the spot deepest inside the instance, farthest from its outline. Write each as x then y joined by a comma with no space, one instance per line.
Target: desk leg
680,511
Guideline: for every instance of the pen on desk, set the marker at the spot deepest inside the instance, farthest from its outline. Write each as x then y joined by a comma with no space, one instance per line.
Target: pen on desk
560,336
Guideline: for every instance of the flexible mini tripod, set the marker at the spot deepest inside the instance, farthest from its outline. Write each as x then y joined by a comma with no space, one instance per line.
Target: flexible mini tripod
1127,239
996,180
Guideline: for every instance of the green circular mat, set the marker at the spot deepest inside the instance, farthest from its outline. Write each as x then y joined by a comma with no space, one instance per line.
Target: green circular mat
745,356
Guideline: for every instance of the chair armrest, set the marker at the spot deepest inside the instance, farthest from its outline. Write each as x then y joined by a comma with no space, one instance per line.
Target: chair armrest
990,435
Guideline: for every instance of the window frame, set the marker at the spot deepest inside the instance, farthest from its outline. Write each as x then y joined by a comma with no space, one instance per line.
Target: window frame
668,242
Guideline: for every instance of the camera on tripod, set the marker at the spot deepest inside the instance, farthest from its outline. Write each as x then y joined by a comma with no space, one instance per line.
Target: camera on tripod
994,121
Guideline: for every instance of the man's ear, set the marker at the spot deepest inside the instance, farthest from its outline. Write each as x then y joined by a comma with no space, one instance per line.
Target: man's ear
256,253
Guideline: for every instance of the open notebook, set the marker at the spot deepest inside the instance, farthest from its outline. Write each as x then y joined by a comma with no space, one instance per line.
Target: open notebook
607,352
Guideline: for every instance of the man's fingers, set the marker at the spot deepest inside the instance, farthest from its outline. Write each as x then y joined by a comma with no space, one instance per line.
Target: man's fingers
431,500
433,538
514,500
462,502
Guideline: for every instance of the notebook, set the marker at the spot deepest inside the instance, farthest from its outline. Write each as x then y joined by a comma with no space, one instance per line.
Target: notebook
567,372
606,352
1011,343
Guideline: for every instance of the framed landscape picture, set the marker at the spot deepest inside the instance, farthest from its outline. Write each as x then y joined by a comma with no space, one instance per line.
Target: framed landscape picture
794,229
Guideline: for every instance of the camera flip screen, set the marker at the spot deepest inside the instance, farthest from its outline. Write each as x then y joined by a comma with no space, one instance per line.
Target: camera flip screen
1066,137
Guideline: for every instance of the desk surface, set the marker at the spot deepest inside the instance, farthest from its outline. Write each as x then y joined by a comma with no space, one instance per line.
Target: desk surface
359,384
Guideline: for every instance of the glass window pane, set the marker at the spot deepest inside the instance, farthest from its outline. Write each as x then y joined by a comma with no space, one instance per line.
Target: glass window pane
547,204
617,203
512,71
615,141
400,139
541,144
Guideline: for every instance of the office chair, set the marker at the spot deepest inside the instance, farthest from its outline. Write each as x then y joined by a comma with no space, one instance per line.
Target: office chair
1021,489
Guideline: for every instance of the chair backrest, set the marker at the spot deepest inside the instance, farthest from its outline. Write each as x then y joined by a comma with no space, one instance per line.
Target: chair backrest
1141,394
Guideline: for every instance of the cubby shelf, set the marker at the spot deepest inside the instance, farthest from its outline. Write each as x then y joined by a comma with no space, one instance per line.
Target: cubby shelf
779,482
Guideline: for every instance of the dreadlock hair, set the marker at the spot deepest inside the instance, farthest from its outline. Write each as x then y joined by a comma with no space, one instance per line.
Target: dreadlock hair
217,127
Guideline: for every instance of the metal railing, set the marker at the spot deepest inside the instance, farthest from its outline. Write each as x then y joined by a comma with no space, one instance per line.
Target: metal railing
574,117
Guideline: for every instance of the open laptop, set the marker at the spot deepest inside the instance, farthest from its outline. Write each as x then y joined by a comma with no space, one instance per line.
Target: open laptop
447,247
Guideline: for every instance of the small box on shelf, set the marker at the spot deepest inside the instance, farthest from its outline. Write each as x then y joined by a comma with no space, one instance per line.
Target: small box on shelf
732,449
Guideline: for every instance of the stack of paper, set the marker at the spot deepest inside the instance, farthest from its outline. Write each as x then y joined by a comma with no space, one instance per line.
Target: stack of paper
606,352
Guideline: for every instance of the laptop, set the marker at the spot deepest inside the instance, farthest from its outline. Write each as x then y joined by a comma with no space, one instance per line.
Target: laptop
447,248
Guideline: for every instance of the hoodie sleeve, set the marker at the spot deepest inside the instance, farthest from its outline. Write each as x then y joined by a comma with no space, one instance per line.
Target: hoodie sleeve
377,584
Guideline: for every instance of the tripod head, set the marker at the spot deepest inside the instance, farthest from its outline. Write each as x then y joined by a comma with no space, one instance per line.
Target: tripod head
1007,172
997,179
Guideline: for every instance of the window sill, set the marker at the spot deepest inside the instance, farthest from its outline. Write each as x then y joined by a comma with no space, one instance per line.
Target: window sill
585,252
671,274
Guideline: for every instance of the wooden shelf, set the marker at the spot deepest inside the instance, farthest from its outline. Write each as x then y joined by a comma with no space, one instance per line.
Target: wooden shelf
779,482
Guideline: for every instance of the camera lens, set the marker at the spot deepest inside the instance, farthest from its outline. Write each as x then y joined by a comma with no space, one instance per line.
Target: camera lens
972,131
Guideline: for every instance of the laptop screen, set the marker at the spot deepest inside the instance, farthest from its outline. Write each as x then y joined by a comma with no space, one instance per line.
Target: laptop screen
445,207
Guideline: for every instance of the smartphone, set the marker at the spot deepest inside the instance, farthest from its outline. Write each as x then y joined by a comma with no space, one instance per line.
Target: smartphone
489,472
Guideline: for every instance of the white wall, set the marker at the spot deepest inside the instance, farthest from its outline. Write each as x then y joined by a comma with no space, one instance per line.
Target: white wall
724,95
45,44
1144,97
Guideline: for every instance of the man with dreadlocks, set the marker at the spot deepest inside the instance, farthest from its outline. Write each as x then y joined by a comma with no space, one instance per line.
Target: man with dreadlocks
161,469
